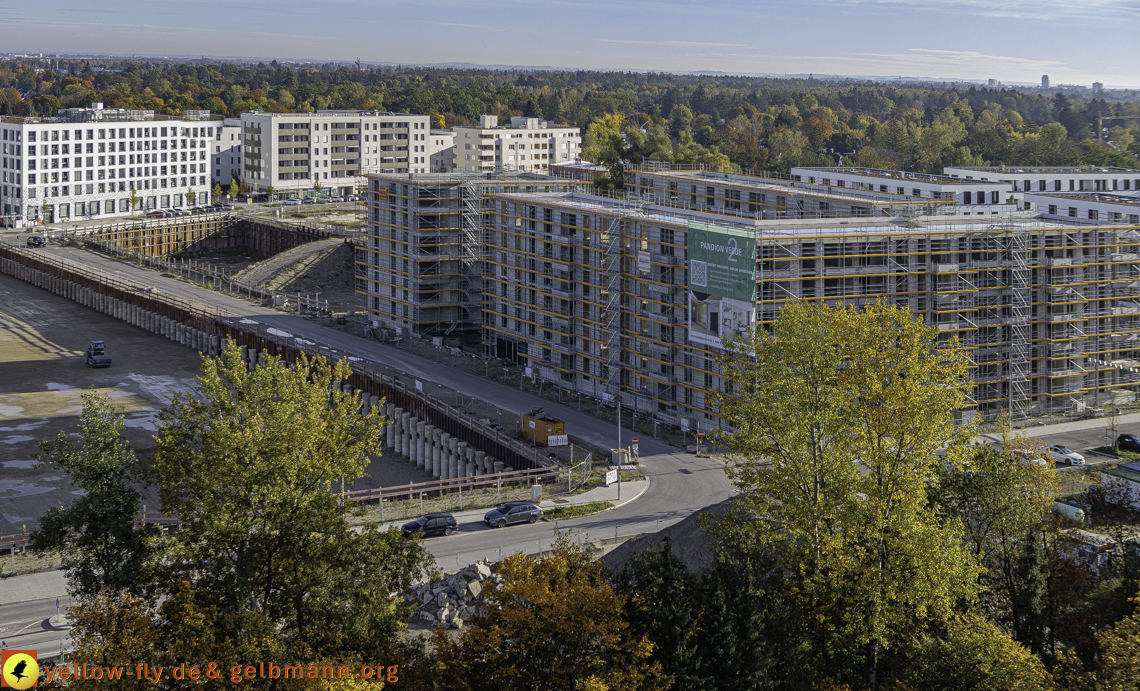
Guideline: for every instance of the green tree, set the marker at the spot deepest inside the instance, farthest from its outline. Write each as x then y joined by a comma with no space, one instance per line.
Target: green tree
111,547
680,120
605,145
971,654
270,193
662,603
836,415
234,188
190,196
218,190
134,200
317,186
249,464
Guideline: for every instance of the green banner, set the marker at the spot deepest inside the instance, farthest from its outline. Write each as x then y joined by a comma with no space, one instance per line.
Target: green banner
722,262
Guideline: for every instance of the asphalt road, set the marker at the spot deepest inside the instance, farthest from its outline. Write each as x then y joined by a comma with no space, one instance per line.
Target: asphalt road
680,483
27,626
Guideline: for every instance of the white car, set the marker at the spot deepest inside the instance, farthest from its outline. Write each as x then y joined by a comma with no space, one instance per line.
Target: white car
1063,454
292,202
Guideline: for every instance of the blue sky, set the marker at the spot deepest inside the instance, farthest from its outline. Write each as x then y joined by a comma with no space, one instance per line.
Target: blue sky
1072,41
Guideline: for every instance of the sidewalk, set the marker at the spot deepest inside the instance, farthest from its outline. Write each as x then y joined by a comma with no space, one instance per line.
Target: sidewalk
629,492
33,586
1063,427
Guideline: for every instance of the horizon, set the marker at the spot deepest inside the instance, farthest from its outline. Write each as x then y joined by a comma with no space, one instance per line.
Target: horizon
878,40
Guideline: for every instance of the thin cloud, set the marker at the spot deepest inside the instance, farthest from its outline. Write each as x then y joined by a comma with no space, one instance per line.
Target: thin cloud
673,44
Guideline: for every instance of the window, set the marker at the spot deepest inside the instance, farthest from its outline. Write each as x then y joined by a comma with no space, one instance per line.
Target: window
1093,214
1072,212
1052,209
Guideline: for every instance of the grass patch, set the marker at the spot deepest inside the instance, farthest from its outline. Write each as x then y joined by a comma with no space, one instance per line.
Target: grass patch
576,511
1129,455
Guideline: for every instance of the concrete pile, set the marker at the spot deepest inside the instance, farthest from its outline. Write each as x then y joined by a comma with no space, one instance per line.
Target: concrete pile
434,451
454,600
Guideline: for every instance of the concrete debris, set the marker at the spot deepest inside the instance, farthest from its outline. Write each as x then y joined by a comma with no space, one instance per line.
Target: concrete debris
456,599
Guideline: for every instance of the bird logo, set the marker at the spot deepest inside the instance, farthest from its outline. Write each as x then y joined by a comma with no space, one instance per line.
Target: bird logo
19,669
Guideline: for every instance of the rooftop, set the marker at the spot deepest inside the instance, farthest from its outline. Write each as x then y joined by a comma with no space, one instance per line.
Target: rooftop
1128,471
1044,169
328,114
892,175
97,113
1122,199
801,188
650,213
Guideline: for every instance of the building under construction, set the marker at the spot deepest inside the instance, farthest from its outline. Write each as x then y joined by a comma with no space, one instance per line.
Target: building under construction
604,296
419,269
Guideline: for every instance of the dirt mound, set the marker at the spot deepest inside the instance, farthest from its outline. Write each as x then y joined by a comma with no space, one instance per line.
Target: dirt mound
689,542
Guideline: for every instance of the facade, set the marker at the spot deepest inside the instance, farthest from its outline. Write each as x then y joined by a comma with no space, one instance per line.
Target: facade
527,145
292,152
442,148
1049,313
420,268
770,198
226,153
991,197
1054,178
1086,207
599,295
1044,81
63,168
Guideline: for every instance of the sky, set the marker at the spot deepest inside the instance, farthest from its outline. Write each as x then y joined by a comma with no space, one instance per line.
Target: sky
1013,41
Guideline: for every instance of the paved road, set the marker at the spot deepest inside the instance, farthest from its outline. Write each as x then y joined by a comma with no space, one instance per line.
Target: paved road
27,626
680,483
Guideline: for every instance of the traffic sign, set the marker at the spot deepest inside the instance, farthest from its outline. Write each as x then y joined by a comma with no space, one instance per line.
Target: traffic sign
634,450
701,433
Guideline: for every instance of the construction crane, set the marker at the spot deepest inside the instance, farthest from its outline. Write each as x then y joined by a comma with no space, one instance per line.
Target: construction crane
1100,124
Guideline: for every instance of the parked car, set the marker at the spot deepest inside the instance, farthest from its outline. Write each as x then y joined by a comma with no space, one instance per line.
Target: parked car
1063,454
308,201
1128,442
513,512
431,524
291,202
226,207
322,200
352,198
156,214
35,241
336,199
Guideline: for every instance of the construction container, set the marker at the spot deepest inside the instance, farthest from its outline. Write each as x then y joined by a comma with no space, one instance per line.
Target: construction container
536,426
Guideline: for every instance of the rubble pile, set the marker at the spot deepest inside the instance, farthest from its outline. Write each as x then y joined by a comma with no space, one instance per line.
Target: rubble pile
454,600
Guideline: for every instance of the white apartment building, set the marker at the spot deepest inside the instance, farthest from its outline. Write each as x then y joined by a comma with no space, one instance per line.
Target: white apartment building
1054,178
226,154
981,196
442,150
87,163
1086,207
292,152
528,145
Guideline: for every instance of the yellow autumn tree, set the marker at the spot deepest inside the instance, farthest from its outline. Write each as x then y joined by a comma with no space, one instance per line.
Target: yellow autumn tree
552,624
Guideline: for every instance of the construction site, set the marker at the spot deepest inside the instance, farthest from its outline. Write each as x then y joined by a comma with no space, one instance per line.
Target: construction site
420,266
593,294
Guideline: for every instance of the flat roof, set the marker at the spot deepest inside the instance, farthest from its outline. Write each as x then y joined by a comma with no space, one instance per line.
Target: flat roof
808,189
1044,169
650,213
331,114
897,175
1122,199
1128,471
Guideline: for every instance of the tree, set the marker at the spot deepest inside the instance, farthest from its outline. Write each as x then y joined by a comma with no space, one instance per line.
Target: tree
111,548
249,465
270,193
563,628
605,145
970,654
234,188
217,190
680,120
662,603
190,196
134,200
1000,500
317,187
835,417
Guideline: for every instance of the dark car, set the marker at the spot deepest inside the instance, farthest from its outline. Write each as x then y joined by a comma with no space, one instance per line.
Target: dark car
513,512
431,524
35,241
1128,442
